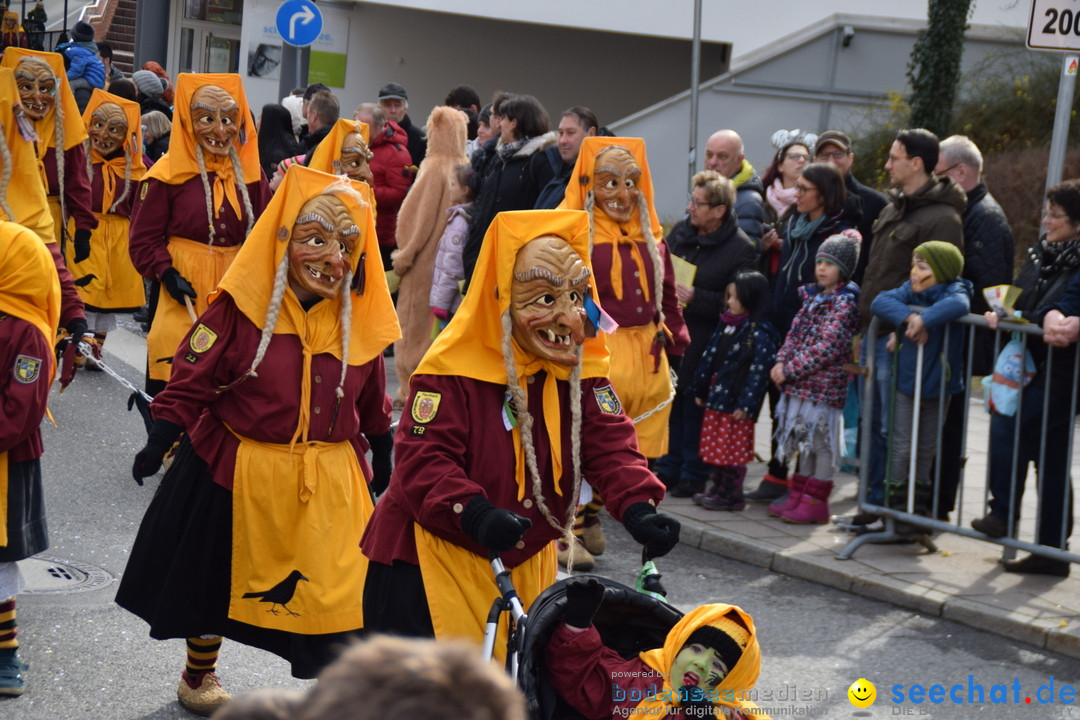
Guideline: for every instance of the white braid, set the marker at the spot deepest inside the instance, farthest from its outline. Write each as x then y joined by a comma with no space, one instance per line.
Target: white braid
89,161
5,174
525,420
654,257
58,151
238,171
127,177
590,203
201,159
346,330
281,281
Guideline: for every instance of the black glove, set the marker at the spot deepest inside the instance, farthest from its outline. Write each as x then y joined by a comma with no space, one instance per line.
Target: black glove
177,285
77,327
496,529
583,598
658,533
382,462
82,245
148,460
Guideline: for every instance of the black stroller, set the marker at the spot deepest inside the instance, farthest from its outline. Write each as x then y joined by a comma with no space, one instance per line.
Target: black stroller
628,621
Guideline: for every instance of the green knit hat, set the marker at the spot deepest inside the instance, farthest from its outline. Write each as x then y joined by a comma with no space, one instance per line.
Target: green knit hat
945,259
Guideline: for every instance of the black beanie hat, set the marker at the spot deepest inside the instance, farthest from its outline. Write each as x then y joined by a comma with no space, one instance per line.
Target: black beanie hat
83,32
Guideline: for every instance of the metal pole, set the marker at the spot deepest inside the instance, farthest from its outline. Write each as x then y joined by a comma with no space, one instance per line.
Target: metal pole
65,25
1066,86
695,72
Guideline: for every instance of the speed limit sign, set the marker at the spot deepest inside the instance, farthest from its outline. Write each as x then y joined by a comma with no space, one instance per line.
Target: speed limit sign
1054,25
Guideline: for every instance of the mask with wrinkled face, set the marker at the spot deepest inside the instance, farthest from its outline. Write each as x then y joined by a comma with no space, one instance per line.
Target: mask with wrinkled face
108,128
355,157
615,183
321,247
547,299
215,118
37,87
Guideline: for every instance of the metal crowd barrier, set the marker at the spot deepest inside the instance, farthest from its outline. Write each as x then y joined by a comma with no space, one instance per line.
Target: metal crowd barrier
1030,332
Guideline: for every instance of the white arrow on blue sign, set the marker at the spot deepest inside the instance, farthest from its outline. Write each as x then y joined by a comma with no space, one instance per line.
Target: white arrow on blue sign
299,22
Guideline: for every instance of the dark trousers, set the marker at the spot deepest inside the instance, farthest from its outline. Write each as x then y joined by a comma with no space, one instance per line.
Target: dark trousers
684,438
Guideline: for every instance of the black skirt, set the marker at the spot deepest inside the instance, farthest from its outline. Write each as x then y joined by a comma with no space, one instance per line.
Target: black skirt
26,528
178,576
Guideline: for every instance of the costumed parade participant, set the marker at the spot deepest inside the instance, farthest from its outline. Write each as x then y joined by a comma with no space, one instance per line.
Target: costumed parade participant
108,282
29,313
23,200
47,100
280,388
707,666
507,412
421,222
636,285
194,209
345,151
12,33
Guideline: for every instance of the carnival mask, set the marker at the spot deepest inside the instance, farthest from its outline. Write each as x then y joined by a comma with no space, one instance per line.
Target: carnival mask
697,665
37,87
11,21
215,118
321,247
547,299
615,183
922,275
108,128
355,157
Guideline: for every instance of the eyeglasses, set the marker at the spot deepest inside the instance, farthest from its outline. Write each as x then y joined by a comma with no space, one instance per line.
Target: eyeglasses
800,189
951,167
833,155
799,157
691,200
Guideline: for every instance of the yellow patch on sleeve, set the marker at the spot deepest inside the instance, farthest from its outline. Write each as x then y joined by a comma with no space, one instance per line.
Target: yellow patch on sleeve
425,405
202,339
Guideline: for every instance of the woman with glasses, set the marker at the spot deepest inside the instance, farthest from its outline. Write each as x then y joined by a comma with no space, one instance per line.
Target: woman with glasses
792,155
709,238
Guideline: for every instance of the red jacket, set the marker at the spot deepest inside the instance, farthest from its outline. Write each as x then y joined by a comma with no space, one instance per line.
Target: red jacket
394,172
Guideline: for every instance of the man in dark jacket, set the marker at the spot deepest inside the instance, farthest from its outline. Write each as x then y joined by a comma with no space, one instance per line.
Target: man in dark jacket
923,207
724,154
322,112
395,103
864,204
988,261
710,239
577,124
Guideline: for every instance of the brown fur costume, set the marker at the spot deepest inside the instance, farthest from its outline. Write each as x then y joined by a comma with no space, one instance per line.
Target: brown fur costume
421,222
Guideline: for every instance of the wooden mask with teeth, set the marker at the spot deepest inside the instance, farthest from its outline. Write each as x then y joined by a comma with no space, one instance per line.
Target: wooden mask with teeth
547,300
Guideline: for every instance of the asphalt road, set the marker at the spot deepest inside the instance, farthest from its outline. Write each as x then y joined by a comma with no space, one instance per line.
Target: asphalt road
90,659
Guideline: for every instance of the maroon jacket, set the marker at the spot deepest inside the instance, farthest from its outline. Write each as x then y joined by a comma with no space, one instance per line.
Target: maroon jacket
163,210
393,171
633,310
463,451
23,403
265,408
76,185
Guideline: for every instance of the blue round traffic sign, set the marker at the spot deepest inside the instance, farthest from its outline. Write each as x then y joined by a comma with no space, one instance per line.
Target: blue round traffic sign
299,22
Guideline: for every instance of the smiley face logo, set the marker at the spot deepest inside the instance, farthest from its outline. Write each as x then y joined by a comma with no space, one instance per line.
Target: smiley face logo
862,693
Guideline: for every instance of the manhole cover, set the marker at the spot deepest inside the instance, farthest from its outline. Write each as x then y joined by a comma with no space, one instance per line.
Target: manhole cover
46,574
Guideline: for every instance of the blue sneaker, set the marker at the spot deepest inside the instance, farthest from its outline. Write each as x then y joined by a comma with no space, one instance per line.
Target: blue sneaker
11,672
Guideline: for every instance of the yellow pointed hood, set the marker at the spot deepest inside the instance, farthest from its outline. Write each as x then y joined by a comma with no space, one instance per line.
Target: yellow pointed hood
74,132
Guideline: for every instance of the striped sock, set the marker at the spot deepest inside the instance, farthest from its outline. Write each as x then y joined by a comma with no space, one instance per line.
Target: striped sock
202,654
594,506
8,627
579,520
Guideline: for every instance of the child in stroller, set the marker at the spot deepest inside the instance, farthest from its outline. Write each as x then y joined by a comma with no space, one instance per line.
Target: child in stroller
597,649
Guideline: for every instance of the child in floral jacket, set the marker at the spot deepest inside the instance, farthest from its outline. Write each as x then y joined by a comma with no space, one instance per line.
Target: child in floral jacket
809,370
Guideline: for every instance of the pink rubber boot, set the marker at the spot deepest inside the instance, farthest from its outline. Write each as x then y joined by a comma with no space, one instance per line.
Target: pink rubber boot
813,507
788,502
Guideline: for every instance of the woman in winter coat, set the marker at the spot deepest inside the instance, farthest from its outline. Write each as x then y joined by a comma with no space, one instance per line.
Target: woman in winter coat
514,177
421,222
709,238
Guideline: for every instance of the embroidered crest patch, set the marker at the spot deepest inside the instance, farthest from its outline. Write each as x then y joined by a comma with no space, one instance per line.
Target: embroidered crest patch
425,405
607,400
27,369
142,191
202,339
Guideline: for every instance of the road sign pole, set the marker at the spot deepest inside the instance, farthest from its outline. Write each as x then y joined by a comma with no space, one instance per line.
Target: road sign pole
1059,140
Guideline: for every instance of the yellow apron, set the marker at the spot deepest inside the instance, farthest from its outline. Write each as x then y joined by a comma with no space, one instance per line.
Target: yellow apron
460,587
203,266
296,563
117,285
639,388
